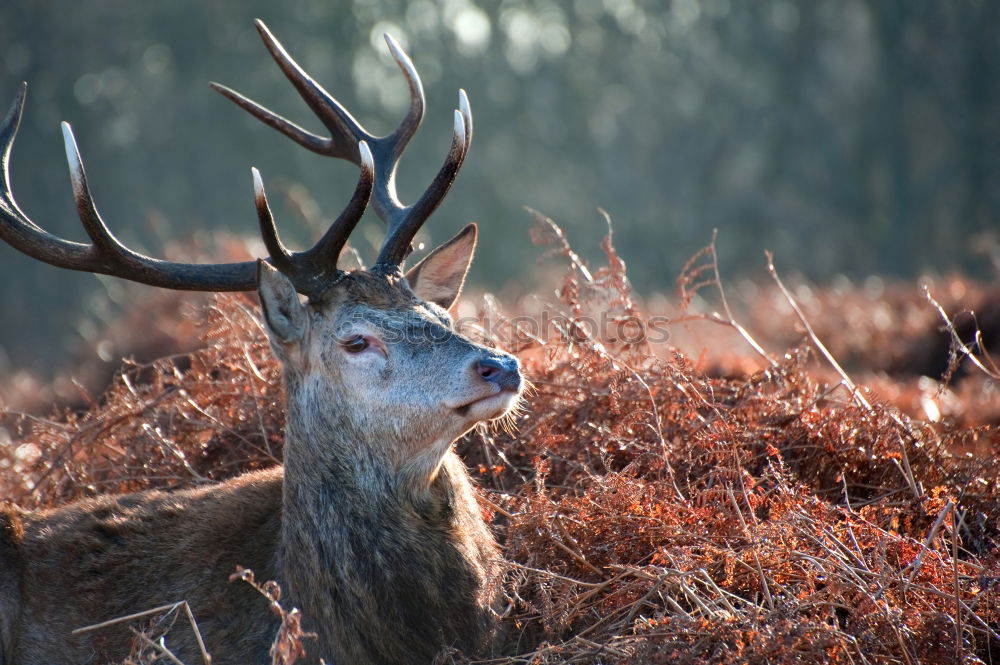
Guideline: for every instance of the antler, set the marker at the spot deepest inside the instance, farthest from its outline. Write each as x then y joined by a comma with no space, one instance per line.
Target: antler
310,271
105,254
315,270
402,221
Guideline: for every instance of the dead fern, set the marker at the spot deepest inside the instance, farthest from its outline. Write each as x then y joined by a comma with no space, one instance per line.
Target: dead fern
654,506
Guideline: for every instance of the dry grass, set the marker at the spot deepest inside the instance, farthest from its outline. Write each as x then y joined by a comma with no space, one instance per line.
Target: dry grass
654,506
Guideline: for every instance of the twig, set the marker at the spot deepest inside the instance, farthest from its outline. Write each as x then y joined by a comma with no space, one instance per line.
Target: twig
918,562
549,573
855,392
156,646
163,609
575,550
992,371
753,550
958,597
730,319
564,247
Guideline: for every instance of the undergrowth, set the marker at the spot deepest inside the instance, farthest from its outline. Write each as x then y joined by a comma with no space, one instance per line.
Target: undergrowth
654,507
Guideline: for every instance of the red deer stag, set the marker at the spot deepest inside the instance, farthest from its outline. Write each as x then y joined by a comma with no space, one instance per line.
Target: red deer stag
372,527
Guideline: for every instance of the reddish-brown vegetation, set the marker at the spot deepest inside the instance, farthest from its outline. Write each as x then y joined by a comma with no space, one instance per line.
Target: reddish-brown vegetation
655,506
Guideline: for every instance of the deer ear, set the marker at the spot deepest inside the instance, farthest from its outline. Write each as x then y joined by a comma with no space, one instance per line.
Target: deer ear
438,278
284,313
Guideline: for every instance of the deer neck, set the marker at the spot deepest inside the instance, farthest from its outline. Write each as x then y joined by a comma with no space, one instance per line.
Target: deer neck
363,553
341,485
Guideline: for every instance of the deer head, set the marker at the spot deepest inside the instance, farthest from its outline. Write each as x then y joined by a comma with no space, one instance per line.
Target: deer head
371,354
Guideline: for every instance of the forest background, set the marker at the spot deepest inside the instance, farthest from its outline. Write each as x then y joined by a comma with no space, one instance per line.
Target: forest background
851,137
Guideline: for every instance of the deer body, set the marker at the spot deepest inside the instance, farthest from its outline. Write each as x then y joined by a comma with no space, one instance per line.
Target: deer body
371,527
415,582
112,556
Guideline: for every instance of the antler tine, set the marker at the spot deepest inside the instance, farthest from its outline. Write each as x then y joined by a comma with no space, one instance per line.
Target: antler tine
303,137
105,254
313,271
389,148
400,138
8,206
396,245
345,131
333,241
280,256
104,241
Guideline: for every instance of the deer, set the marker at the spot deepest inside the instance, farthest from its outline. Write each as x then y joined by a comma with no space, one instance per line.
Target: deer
371,525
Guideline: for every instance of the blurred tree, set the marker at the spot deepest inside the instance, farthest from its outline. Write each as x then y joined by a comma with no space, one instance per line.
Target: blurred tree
849,136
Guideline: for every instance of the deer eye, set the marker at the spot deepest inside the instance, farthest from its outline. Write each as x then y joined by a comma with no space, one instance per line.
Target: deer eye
355,344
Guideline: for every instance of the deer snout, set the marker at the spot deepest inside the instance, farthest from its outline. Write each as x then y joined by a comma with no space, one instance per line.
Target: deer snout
502,371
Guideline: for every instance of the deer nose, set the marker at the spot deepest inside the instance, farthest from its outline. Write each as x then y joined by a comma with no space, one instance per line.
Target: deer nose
504,371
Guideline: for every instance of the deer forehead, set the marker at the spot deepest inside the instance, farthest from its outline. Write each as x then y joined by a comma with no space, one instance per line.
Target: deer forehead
417,324
375,290
366,302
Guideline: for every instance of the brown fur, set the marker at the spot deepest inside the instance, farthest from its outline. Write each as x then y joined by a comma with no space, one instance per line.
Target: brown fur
371,528
112,556
11,534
